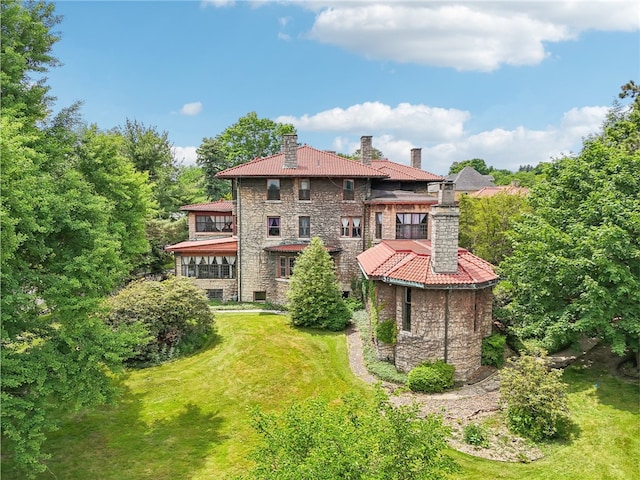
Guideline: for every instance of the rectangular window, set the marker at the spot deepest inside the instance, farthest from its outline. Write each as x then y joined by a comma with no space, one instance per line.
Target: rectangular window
273,189
304,192
351,227
406,310
411,226
304,227
218,267
285,266
214,223
259,296
348,189
273,226
378,224
215,294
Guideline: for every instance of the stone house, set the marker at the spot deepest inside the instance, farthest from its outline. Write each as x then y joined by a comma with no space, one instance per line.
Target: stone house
439,295
467,181
209,256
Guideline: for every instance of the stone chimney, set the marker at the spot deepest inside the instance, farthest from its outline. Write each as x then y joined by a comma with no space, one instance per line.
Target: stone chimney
290,148
445,218
416,158
365,150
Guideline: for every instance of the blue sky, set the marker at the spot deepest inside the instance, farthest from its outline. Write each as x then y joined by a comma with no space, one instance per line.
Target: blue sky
512,82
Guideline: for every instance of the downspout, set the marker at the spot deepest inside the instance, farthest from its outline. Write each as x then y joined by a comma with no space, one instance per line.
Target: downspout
238,230
446,325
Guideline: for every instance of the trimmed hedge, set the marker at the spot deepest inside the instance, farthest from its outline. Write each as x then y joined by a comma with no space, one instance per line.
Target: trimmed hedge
431,377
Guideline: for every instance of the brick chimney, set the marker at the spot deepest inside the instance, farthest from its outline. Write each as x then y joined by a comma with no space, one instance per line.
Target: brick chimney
416,158
365,150
444,234
290,148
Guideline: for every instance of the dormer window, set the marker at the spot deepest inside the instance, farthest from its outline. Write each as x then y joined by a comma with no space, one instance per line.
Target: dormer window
273,189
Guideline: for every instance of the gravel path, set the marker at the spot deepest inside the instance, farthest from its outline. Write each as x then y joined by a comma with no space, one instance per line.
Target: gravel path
458,407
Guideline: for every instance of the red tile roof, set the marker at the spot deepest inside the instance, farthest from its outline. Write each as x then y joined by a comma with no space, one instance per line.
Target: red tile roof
224,245
408,262
311,163
399,172
297,247
219,206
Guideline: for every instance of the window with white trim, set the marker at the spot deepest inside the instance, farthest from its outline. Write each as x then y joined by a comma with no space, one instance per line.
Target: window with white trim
304,190
351,227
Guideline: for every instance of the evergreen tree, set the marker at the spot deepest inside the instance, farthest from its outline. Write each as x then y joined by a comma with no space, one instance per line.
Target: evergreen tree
315,299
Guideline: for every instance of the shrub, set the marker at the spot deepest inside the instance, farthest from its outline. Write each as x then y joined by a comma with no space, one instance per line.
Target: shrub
353,304
315,297
534,398
175,315
431,377
387,331
476,435
493,350
354,438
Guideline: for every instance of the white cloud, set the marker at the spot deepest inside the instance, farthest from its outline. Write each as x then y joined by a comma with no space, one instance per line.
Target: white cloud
434,122
283,36
442,135
185,155
465,35
217,3
193,108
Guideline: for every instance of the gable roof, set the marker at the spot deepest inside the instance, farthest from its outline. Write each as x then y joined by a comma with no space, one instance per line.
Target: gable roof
469,179
311,163
219,206
399,172
408,262
215,246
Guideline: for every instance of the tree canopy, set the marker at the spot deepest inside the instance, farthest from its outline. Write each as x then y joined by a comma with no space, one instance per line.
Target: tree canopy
575,268
477,163
250,137
72,217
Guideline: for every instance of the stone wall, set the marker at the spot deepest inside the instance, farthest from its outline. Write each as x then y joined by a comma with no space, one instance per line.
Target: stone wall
446,325
325,209
444,238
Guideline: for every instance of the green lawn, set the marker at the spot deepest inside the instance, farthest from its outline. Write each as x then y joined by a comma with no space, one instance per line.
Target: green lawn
189,419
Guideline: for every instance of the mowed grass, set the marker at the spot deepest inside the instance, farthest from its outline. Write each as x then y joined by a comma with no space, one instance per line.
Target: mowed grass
190,419
604,443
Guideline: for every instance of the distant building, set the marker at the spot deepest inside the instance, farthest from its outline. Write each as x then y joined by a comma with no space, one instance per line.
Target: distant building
468,180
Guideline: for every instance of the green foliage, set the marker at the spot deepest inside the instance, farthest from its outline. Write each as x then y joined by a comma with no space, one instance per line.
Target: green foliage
533,397
476,434
493,350
160,233
356,438
431,377
476,163
353,304
250,137
175,315
315,298
485,222
387,331
575,267
382,370
71,214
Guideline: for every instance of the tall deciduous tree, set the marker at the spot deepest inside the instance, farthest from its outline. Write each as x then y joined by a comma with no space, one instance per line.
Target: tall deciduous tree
484,223
250,137
315,299
477,163
64,244
575,268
